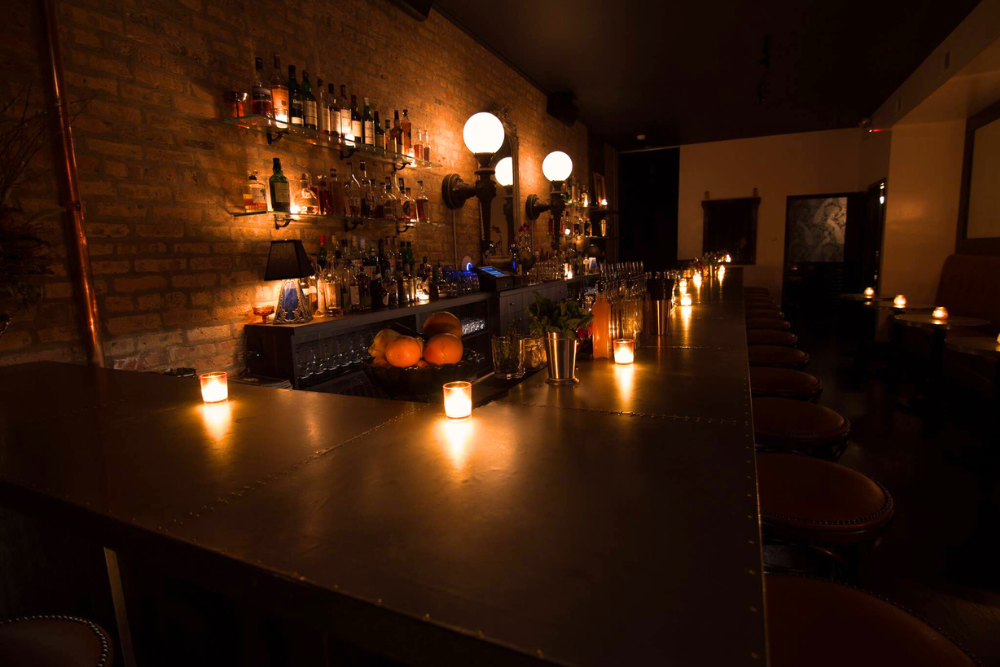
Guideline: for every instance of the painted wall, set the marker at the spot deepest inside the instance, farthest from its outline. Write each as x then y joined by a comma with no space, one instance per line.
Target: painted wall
921,218
778,166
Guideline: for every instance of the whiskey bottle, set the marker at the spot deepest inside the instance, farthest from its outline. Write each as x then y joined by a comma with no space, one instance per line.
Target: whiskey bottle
357,127
338,199
423,205
345,115
281,198
379,133
368,126
406,137
279,93
410,206
387,136
427,145
260,93
334,110
296,115
322,190
396,140
418,147
255,197
405,203
366,192
305,199
352,190
391,208
322,108
310,115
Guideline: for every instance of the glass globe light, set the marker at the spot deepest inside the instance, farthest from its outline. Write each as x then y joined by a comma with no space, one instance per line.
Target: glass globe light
483,133
557,166
505,172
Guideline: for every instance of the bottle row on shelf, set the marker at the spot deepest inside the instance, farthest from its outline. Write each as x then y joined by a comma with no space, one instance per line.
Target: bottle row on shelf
357,278
294,104
355,198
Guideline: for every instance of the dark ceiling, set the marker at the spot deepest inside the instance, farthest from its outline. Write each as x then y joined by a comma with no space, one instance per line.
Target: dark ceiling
689,72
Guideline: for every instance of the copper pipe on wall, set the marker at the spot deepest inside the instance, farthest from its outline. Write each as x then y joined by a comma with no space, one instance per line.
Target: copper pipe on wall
83,277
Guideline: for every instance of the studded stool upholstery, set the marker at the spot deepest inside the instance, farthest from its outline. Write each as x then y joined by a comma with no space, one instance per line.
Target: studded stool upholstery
788,425
767,323
771,337
54,641
803,499
779,356
820,623
784,383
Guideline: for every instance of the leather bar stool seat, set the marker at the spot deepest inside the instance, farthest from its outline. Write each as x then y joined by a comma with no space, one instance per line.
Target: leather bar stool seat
54,641
817,502
784,383
754,312
767,323
779,356
771,337
788,425
820,623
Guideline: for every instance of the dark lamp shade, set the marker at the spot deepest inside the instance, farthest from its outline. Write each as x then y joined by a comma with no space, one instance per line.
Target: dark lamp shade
287,259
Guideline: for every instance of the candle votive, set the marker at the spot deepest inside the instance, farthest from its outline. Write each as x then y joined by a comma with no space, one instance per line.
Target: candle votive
214,387
624,351
686,300
940,313
869,292
458,400
899,301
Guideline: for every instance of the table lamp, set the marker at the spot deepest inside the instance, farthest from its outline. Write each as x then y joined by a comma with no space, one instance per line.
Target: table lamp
288,261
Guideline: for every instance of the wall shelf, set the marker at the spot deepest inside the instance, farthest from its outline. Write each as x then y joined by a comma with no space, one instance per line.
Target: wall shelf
275,131
350,223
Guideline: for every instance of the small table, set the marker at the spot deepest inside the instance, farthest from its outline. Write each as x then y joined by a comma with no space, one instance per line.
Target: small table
982,347
887,304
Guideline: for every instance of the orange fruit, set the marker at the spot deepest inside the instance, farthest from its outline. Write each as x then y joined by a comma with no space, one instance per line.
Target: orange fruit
422,364
443,322
380,362
403,351
383,338
443,348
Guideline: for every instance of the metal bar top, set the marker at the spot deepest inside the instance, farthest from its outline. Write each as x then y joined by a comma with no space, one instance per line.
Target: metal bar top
614,522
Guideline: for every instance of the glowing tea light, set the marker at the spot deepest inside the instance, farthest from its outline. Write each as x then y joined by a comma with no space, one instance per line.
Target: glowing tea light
624,351
214,387
728,259
697,280
899,301
682,286
869,292
458,400
940,313
604,203
686,300
567,231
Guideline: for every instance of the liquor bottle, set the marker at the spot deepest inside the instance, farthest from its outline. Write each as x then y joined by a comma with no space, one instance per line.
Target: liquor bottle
418,147
305,200
279,93
410,206
391,203
396,138
296,115
387,136
346,278
368,125
322,108
354,288
380,200
309,111
338,200
405,203
602,320
434,287
423,206
364,281
345,115
398,195
427,145
380,293
353,193
357,127
406,137
255,197
281,197
331,281
366,193
321,265
260,93
333,110
379,133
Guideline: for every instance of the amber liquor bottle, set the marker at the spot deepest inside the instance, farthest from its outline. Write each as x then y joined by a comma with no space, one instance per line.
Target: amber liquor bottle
260,95
279,93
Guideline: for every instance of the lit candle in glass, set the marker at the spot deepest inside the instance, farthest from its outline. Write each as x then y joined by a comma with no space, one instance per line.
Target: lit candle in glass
869,292
214,387
682,286
686,300
728,259
940,313
697,280
899,301
458,400
624,351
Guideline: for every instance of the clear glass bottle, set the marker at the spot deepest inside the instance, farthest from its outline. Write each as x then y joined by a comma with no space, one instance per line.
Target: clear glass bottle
423,204
305,200
391,202
279,93
418,146
331,281
352,191
255,197
399,195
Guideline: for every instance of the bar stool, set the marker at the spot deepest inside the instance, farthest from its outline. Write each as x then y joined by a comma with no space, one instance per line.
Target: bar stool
784,383
771,337
825,624
779,356
47,641
811,508
763,312
788,425
767,323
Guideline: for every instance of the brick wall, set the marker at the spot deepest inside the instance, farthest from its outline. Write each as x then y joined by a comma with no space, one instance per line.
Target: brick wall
176,274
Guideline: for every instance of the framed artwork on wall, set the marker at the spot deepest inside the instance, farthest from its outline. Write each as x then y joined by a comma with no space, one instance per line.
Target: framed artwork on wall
815,228
979,205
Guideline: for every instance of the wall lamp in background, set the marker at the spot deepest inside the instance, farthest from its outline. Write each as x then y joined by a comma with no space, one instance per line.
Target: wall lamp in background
484,135
505,177
556,167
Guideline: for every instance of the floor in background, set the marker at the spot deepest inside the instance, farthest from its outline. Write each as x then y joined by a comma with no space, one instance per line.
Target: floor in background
941,556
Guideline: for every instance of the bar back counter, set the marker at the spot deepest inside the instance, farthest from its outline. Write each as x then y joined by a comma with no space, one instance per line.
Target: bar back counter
614,522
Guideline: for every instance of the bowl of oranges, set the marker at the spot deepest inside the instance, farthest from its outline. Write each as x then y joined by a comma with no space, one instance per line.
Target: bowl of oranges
413,366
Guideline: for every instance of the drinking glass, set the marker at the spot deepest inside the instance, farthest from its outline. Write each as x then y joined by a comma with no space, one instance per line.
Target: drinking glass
508,361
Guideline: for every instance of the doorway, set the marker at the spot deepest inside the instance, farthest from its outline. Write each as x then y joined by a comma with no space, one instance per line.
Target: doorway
648,190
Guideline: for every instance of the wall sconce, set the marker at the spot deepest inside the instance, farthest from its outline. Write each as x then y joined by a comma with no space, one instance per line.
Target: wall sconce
483,135
899,301
556,167
505,177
